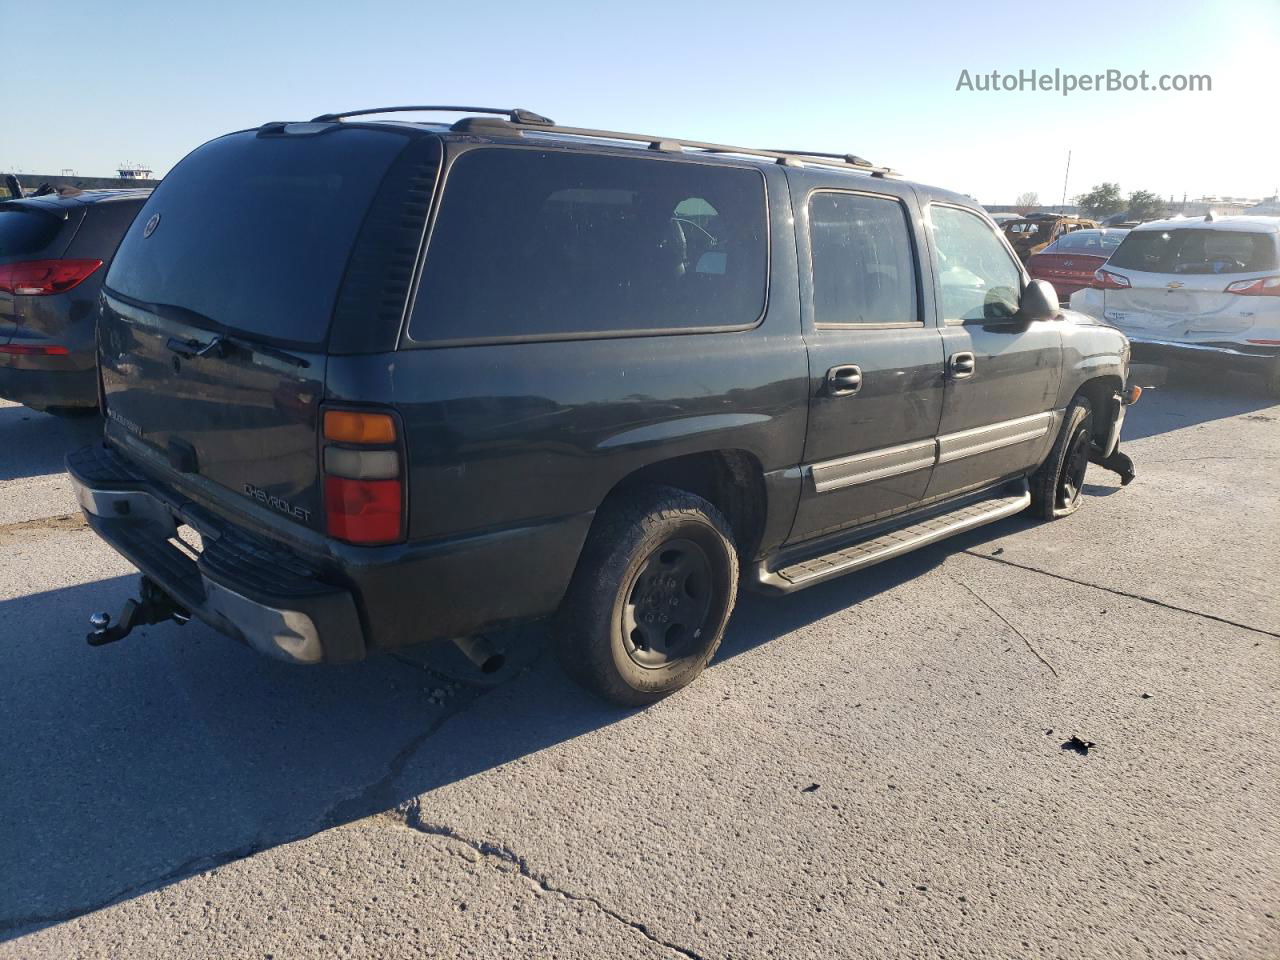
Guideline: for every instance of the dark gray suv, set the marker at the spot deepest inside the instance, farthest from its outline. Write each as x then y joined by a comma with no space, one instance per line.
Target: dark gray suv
412,381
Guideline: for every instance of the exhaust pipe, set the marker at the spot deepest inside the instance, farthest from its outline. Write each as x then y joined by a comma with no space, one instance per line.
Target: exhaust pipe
481,652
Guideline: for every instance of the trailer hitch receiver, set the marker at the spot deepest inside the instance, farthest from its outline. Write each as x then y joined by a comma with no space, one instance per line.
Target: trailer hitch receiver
152,606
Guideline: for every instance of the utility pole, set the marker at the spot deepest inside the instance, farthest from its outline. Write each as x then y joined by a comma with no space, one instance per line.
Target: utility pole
1064,179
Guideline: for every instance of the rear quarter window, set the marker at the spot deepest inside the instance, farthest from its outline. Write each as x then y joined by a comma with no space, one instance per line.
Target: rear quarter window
549,245
25,232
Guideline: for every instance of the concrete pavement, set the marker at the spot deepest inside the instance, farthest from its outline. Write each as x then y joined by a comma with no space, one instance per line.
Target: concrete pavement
871,768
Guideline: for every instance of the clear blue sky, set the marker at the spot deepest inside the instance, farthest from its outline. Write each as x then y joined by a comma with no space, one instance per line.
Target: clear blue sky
90,84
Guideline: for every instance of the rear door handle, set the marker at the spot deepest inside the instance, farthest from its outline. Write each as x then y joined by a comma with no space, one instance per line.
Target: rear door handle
962,365
844,380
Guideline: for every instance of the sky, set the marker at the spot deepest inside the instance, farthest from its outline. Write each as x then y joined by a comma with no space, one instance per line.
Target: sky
94,88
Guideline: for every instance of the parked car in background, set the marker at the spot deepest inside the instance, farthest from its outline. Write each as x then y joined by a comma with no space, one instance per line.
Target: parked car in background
54,251
1070,261
1002,218
1034,232
1196,289
418,381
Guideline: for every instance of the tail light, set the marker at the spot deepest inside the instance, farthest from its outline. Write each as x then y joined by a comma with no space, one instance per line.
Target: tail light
29,350
1262,287
1106,280
363,466
39,278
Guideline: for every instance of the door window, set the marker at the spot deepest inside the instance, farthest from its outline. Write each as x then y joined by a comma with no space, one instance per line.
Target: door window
863,265
977,279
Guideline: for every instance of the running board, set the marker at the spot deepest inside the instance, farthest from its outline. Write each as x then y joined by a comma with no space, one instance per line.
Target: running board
798,574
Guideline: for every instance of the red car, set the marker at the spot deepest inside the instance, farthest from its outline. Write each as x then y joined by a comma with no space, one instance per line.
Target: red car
1068,263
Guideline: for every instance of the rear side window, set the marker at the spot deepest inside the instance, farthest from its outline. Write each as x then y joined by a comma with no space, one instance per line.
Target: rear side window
863,266
550,245
255,232
24,232
1196,251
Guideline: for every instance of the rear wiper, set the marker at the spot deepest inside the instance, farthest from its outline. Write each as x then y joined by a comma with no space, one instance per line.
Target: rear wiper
222,344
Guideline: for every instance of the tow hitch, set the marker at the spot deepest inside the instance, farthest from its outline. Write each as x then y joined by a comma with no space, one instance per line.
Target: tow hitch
153,606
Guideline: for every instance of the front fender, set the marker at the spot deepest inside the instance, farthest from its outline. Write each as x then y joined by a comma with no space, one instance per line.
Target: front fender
1091,350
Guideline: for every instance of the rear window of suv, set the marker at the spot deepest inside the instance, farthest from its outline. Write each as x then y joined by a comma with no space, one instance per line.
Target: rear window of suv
1196,251
24,232
549,245
254,232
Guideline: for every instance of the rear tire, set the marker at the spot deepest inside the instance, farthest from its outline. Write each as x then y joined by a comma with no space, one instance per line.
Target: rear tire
651,596
1056,486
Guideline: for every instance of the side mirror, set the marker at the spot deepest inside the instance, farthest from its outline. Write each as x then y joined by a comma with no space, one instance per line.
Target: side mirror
1039,302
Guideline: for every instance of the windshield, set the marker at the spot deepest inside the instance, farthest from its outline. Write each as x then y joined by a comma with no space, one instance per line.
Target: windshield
1196,251
254,232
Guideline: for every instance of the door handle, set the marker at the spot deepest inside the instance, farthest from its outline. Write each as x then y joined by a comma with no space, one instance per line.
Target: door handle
844,380
962,365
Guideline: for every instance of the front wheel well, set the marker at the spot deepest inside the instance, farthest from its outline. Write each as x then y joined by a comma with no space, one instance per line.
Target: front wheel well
731,480
1099,392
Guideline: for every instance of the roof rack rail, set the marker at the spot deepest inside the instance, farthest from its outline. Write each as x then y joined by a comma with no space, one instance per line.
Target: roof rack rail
539,124
850,158
673,144
514,114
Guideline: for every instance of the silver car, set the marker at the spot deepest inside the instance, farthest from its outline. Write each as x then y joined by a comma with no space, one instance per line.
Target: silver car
1205,289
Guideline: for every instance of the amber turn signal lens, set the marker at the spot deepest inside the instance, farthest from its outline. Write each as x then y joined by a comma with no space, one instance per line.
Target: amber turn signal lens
348,426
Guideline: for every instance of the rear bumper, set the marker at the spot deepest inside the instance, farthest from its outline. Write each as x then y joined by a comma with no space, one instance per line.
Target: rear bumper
241,586
40,389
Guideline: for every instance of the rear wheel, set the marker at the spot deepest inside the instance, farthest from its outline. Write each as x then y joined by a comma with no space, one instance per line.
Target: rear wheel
651,596
1056,486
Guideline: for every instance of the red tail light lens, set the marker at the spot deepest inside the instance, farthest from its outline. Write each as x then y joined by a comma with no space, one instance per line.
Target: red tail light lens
27,350
39,278
1106,280
363,511
1262,287
363,476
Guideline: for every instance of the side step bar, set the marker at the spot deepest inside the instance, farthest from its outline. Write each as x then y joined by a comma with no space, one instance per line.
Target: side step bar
796,574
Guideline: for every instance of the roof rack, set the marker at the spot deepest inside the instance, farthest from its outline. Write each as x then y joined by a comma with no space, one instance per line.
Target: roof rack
517,120
674,145
850,158
514,114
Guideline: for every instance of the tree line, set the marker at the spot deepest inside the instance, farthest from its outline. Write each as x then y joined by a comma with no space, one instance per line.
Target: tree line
1104,200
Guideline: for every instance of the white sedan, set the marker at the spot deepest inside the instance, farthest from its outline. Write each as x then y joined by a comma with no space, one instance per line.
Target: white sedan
1208,289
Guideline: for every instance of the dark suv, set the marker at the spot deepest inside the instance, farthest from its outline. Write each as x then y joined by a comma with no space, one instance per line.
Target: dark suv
414,381
53,255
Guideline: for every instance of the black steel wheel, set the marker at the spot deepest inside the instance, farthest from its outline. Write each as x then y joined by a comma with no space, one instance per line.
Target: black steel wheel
668,604
651,596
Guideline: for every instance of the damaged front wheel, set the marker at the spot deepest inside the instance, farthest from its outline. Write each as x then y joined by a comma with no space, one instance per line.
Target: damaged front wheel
1056,486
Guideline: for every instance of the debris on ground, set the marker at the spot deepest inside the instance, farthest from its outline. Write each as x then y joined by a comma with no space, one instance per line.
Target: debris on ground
810,788
1079,746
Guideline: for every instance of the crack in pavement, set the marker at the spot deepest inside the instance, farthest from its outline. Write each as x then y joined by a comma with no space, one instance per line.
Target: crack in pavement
410,814
1124,593
1005,621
